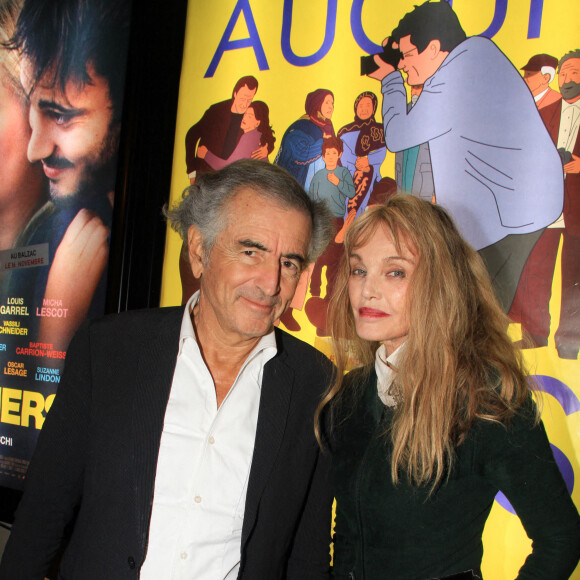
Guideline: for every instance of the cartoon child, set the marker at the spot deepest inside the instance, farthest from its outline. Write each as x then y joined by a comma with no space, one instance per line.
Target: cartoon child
334,185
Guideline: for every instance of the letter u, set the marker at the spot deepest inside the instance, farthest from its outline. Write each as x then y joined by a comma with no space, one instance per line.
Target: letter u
329,33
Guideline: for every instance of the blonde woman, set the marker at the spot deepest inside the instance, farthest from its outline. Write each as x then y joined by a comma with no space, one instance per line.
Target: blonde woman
439,417
22,188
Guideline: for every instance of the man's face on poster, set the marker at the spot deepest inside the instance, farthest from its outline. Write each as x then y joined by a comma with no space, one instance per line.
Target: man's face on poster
243,99
536,81
73,135
419,66
569,79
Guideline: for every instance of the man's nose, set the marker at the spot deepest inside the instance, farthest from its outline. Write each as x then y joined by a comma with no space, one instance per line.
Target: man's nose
41,144
269,277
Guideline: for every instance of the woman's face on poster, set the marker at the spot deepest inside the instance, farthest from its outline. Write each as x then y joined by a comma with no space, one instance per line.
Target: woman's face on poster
364,109
327,107
15,169
249,121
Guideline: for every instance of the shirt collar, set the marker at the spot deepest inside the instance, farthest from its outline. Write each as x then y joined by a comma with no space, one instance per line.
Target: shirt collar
386,369
267,342
566,105
540,95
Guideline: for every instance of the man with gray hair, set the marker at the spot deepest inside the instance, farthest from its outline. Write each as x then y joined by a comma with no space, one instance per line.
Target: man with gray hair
185,435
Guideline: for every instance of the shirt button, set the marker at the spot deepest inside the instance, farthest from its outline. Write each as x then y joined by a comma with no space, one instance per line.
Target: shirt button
183,555
197,499
211,440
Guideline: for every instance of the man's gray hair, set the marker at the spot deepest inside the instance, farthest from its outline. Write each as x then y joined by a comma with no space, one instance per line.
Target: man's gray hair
568,56
204,204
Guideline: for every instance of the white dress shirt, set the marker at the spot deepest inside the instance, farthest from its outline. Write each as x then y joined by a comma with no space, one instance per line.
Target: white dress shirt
386,369
203,466
540,95
569,123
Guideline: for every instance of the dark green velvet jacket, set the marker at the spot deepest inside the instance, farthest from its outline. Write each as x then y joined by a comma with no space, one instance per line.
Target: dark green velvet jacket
392,532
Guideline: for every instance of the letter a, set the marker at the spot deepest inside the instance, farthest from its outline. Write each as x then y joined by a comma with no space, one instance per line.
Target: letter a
252,42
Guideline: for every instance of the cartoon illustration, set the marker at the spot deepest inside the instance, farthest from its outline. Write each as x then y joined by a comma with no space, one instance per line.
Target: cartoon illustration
257,133
301,148
300,154
495,168
219,130
531,305
539,72
364,149
413,171
334,185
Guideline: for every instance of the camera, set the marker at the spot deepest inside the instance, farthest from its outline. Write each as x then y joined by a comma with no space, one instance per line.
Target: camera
390,55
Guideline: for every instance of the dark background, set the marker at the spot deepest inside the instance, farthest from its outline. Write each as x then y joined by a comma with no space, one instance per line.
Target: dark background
144,165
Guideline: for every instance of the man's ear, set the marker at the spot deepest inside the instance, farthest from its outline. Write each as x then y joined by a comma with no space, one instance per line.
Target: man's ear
195,250
434,48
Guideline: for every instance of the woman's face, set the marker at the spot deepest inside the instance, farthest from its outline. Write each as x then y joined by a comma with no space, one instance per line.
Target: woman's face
327,107
377,288
364,109
15,169
249,121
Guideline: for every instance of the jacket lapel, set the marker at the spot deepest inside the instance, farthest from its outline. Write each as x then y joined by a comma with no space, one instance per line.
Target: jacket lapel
273,413
154,376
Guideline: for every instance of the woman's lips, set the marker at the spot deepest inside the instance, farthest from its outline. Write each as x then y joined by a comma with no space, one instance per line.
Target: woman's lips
372,313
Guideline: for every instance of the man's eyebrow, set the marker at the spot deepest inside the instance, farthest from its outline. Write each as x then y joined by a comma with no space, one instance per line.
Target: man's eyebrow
299,258
248,243
53,105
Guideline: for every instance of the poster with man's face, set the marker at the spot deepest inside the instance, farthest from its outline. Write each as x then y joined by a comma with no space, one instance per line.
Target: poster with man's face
490,133
62,69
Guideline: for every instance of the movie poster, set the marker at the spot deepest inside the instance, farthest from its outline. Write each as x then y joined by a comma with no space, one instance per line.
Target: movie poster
277,80
61,87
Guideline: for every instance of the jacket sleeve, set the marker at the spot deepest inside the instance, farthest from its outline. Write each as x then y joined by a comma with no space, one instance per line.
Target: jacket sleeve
191,139
310,556
522,465
55,477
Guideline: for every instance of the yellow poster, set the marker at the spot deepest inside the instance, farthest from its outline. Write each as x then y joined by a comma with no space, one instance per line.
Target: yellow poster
294,67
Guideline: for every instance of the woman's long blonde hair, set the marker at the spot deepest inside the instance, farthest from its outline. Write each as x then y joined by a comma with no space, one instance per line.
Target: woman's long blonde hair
9,59
458,364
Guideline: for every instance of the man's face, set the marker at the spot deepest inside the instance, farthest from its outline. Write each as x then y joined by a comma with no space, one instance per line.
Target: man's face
242,99
569,79
536,81
72,132
253,269
418,65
